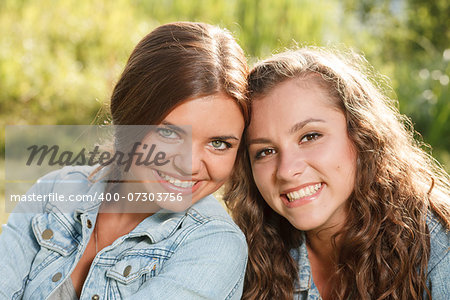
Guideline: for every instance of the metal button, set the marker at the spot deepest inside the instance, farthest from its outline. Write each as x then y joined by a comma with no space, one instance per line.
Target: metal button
95,297
89,223
47,234
56,277
127,271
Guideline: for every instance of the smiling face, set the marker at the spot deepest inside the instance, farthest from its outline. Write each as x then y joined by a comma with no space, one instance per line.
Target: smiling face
302,159
200,138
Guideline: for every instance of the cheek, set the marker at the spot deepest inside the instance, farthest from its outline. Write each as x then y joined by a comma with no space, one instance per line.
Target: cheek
221,167
322,158
262,175
345,169
333,157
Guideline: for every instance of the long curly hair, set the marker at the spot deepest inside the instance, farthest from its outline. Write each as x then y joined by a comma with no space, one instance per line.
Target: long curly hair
384,244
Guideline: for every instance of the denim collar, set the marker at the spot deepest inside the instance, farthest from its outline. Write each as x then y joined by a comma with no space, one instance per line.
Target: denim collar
304,274
156,227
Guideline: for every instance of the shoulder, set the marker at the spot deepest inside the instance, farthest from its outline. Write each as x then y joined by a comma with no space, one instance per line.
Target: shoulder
208,256
209,210
439,243
208,222
61,189
74,174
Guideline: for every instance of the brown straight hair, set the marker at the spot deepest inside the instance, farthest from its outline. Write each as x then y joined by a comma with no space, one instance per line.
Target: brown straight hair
174,63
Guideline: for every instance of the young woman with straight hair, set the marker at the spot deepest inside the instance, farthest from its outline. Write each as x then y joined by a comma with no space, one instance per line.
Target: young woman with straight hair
180,74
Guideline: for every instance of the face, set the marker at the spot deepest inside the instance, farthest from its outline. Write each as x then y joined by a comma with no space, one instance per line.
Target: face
302,159
200,138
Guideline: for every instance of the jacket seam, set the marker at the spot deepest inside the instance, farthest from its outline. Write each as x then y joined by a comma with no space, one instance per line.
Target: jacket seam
183,236
233,291
438,261
19,294
64,222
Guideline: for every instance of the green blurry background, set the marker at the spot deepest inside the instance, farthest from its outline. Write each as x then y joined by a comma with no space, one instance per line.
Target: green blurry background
59,60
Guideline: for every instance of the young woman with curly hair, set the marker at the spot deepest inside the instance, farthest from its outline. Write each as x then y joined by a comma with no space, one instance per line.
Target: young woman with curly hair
337,200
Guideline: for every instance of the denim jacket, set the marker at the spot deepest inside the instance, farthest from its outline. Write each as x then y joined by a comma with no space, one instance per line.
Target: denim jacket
438,276
196,254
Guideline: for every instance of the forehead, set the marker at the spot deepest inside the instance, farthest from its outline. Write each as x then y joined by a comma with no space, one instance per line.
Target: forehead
297,91
215,112
291,101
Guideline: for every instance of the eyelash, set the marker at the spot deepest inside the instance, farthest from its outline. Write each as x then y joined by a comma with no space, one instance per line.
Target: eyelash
309,137
259,153
170,131
227,145
167,130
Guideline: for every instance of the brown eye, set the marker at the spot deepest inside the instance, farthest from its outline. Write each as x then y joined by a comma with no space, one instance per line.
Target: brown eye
310,137
265,152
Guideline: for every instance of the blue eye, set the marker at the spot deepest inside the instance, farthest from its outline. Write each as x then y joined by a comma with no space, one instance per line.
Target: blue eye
167,133
220,145
310,137
265,152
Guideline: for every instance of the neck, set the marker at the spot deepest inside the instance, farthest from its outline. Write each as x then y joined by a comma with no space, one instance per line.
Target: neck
322,255
321,245
129,198
110,226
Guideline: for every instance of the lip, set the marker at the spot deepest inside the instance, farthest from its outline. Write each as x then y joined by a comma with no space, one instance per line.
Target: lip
294,189
175,189
303,200
175,176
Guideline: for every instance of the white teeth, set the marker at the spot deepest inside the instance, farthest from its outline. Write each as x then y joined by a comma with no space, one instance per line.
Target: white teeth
304,192
176,182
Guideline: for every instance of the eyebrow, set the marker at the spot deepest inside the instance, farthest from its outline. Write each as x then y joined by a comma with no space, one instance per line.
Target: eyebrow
179,129
174,127
293,129
258,141
302,124
224,137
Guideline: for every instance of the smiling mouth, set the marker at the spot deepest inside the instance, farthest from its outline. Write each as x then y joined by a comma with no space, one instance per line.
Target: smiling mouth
176,182
304,192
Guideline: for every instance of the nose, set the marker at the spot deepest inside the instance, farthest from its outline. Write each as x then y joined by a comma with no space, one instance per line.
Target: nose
182,164
197,161
189,162
290,164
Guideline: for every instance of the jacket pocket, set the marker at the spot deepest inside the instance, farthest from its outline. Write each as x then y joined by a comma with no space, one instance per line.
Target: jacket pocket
131,268
51,233
55,240
129,274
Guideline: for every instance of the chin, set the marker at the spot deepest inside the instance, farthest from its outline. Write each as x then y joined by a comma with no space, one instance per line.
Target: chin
177,207
304,225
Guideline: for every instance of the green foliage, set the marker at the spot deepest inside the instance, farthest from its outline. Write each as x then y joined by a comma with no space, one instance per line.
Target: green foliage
60,59
409,42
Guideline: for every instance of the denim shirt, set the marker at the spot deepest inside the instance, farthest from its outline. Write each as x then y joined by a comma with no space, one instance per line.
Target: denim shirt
196,254
438,275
